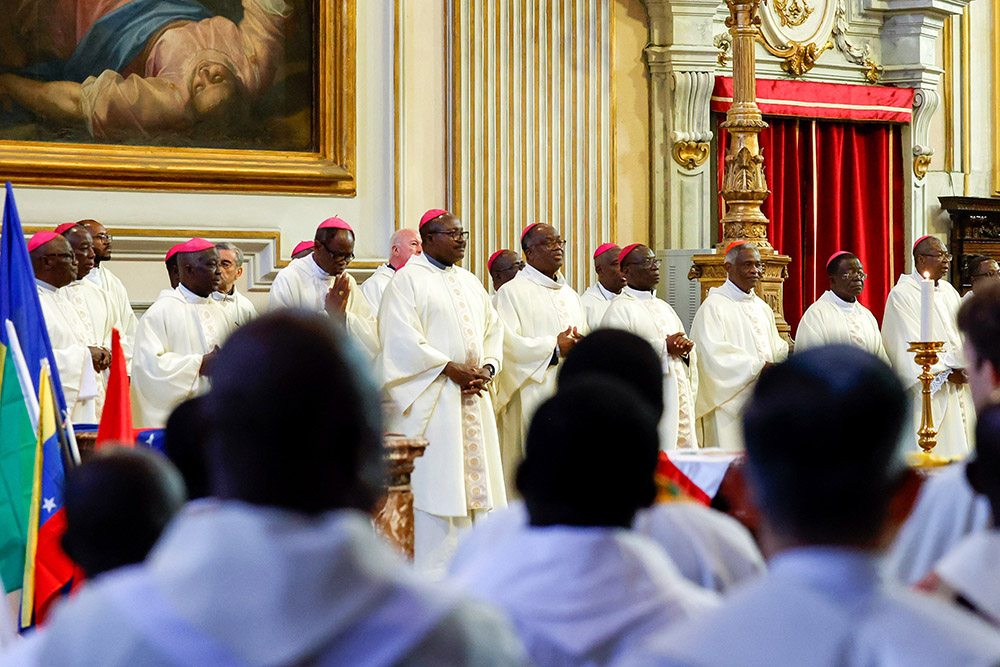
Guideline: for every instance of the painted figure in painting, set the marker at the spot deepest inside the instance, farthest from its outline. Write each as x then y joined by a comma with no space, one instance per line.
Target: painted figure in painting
141,70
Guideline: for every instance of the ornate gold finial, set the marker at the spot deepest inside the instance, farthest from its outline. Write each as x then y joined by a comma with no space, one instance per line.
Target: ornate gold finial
873,72
921,163
691,154
794,14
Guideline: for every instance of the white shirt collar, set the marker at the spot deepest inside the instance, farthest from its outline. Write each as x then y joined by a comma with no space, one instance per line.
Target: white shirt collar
843,572
730,289
638,294
605,292
536,276
919,278
94,276
45,286
316,269
847,306
191,297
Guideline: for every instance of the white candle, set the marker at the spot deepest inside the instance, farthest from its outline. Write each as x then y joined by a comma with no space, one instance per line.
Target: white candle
926,307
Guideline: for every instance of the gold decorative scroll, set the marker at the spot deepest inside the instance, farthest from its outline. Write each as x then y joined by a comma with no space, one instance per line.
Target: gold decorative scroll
691,154
798,58
921,163
793,14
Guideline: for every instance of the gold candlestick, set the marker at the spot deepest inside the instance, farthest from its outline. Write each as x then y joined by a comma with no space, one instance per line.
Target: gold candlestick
926,355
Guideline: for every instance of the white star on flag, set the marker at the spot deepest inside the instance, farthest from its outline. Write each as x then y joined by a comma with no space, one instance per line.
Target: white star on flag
49,505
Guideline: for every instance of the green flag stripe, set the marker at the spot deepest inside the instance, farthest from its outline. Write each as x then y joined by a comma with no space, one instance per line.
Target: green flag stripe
17,452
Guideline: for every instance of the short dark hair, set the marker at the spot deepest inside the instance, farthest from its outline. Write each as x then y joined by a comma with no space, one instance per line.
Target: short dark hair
327,234
590,456
833,268
979,320
296,421
983,470
117,504
822,433
972,262
184,443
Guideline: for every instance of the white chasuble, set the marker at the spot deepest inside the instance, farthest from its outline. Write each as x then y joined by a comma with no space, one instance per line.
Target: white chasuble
951,404
735,335
71,347
238,308
833,321
653,320
535,309
373,287
124,318
97,317
303,284
431,316
595,302
177,331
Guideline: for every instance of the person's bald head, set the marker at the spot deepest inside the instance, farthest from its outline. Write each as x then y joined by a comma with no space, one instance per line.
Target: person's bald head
54,262
102,240
117,504
609,273
567,476
404,244
504,267
296,421
199,271
743,266
83,247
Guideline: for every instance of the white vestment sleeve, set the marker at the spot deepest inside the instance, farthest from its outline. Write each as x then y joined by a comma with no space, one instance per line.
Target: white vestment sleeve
527,358
160,378
281,295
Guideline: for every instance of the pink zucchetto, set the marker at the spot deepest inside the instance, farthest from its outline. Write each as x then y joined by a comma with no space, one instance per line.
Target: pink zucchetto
432,214
38,239
528,229
172,252
194,245
921,240
603,248
625,251
305,245
489,262
335,223
65,227
835,256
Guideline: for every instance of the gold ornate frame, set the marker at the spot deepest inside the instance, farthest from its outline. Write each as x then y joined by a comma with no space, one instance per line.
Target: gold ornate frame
328,170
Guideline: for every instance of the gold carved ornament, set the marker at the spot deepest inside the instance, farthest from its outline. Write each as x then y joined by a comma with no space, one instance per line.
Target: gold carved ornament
691,154
921,163
798,58
792,14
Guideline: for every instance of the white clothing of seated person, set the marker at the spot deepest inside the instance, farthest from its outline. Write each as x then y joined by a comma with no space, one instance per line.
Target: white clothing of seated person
837,316
610,283
579,585
823,601
320,282
405,243
282,566
736,338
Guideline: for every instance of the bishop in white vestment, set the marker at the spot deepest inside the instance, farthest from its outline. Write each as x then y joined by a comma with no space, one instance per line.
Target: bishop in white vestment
177,337
320,282
102,277
610,283
639,311
951,399
78,357
442,344
736,337
503,265
543,319
404,244
838,317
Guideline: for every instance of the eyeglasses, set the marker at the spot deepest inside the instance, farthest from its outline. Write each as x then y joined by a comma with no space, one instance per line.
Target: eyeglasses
346,256
946,256
554,244
988,274
516,266
104,237
852,275
648,263
455,234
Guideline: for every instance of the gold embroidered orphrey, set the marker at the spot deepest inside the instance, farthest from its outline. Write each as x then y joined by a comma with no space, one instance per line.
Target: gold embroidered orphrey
792,14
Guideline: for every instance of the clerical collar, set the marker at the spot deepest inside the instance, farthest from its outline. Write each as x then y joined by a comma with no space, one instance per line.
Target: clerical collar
94,276
51,289
436,263
919,278
845,305
391,267
191,297
730,289
317,269
605,292
638,293
537,276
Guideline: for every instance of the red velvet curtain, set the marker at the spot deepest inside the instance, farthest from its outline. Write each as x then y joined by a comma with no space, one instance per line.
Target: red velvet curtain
834,186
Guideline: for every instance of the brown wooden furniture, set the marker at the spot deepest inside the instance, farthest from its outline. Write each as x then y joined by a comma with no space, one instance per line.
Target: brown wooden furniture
394,514
975,230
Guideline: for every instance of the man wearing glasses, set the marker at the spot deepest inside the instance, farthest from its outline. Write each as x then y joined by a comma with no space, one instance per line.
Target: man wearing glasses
837,317
543,320
736,338
442,344
102,277
983,272
951,399
320,282
639,311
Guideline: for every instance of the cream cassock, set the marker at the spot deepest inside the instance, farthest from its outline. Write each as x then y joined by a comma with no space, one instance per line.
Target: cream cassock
735,335
71,337
831,320
653,319
534,309
303,284
376,284
126,321
177,331
429,317
952,407
239,308
825,606
595,302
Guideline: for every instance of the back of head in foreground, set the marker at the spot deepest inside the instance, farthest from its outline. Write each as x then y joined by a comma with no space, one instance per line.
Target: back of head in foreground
822,434
984,468
590,456
117,504
296,422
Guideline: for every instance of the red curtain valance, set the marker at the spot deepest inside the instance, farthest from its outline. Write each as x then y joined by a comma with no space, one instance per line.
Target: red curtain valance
834,101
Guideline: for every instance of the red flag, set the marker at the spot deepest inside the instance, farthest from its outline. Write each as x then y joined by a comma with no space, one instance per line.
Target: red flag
675,485
116,418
